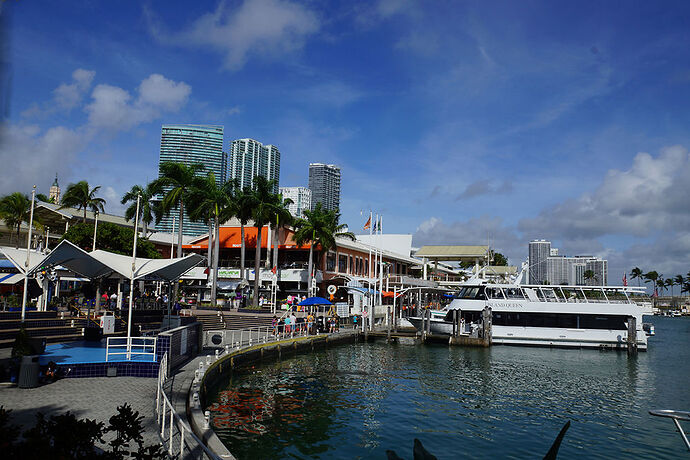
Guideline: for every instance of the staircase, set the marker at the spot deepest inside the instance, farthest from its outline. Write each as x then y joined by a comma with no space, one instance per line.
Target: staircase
212,321
44,324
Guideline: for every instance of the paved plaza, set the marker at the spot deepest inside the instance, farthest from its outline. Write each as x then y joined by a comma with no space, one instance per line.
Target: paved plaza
92,398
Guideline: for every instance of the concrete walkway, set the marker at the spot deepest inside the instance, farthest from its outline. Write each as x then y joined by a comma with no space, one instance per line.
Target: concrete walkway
92,398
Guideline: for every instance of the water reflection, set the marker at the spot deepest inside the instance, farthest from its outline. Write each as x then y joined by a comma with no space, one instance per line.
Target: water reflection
357,401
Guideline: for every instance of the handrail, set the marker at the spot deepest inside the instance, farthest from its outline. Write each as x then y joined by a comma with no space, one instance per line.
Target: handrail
186,435
145,343
81,313
675,415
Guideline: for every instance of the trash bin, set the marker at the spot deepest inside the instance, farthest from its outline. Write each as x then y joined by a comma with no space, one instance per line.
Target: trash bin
108,323
28,372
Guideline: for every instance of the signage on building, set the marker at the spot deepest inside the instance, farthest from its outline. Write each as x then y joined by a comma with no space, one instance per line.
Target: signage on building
342,309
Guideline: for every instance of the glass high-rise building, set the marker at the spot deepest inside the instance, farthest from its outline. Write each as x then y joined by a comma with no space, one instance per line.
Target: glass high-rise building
301,199
324,183
250,158
539,251
190,144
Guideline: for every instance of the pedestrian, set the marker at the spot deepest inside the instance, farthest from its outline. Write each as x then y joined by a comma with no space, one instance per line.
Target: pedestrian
354,321
288,329
293,321
274,323
310,323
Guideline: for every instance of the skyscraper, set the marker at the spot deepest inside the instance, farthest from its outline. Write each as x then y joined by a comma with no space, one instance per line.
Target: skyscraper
539,251
301,199
250,158
190,144
324,183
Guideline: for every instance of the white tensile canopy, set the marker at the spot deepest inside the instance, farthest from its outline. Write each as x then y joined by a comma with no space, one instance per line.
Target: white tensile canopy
98,264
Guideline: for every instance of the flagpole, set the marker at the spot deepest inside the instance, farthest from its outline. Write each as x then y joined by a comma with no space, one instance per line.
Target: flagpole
131,285
381,260
369,273
28,256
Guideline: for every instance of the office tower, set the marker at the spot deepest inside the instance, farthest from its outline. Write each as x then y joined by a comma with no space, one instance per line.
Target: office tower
571,270
601,271
250,158
324,183
539,251
301,199
190,144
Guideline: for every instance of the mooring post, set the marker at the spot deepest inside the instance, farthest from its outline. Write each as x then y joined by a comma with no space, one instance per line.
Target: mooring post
486,326
388,313
632,335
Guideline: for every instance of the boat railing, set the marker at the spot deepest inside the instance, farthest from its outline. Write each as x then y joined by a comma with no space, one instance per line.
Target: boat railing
675,415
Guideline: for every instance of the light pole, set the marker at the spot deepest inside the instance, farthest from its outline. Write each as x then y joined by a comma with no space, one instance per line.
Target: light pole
131,284
95,230
28,255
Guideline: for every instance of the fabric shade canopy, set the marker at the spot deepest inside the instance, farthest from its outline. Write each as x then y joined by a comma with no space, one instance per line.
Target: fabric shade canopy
11,278
361,290
98,264
17,257
314,301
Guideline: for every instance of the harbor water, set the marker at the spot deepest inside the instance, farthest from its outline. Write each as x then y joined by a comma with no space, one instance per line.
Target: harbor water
358,401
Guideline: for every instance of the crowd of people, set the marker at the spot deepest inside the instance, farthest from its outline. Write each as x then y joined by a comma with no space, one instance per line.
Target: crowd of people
290,324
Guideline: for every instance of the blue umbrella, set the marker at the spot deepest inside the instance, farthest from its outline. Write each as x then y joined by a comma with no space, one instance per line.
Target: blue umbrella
314,301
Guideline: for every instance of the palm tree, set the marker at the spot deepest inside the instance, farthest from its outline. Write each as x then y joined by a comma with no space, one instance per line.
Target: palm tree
669,283
177,179
679,281
263,200
81,196
147,208
212,202
589,275
636,273
15,210
321,227
244,206
651,277
660,283
282,218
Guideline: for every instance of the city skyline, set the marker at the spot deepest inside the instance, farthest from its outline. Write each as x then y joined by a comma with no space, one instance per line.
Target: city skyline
499,122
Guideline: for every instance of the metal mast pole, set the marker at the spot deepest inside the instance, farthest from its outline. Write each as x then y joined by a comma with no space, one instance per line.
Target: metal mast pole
28,255
131,285
95,230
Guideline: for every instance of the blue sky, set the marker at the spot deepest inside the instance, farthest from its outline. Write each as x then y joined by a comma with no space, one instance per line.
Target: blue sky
458,121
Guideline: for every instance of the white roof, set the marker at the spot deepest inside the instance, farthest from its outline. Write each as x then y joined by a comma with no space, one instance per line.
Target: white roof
98,264
18,257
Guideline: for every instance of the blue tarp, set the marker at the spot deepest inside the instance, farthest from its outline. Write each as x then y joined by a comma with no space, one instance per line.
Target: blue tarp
314,301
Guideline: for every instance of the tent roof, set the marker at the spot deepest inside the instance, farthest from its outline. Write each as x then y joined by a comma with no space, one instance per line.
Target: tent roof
98,264
18,257
314,301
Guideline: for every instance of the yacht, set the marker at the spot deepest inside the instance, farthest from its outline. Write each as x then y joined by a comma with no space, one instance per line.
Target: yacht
544,315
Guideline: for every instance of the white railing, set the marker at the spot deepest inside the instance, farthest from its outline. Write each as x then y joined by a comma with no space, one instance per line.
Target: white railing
179,438
129,346
255,335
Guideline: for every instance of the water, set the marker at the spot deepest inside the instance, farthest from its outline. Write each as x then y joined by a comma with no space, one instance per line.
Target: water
357,401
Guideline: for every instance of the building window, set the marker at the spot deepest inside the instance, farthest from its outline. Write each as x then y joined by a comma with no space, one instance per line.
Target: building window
351,267
342,263
330,262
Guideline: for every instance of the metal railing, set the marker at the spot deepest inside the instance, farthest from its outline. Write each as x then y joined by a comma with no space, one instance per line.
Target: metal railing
255,335
129,346
175,434
675,415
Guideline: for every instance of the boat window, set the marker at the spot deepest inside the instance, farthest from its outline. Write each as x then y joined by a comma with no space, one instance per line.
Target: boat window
560,320
494,293
514,293
473,292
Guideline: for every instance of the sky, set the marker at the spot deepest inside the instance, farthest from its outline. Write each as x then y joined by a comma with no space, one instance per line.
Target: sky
458,122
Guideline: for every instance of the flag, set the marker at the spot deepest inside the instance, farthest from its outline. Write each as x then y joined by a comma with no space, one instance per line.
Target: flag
274,269
625,279
368,224
656,293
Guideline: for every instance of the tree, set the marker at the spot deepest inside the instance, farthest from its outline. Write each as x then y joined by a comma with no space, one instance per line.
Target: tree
44,198
651,277
81,196
679,281
147,208
589,275
178,180
263,200
212,202
669,283
244,206
15,209
498,259
110,237
636,273
321,227
282,218
660,283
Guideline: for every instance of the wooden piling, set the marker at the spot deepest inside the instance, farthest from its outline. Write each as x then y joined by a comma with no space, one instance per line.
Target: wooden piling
632,335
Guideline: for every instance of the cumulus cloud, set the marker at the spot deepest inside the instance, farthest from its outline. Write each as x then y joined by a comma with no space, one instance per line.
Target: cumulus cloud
69,95
36,153
269,28
114,108
485,187
654,194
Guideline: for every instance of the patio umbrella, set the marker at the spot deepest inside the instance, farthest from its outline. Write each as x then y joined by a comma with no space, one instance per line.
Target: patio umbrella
310,301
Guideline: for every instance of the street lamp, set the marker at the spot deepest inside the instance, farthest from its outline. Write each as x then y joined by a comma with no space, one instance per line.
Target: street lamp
28,255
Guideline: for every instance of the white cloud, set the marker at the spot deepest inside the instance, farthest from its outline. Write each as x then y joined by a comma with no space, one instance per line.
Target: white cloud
485,187
266,28
652,195
69,95
112,107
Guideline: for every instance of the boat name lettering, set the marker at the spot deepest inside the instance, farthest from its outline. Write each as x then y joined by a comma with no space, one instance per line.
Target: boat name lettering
505,305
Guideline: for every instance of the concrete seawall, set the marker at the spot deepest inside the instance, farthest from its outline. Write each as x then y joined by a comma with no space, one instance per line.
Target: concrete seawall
236,360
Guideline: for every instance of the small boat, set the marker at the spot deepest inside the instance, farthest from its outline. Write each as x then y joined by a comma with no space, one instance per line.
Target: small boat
648,329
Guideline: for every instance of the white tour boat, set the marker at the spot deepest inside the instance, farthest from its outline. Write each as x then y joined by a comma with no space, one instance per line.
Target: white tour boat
545,315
